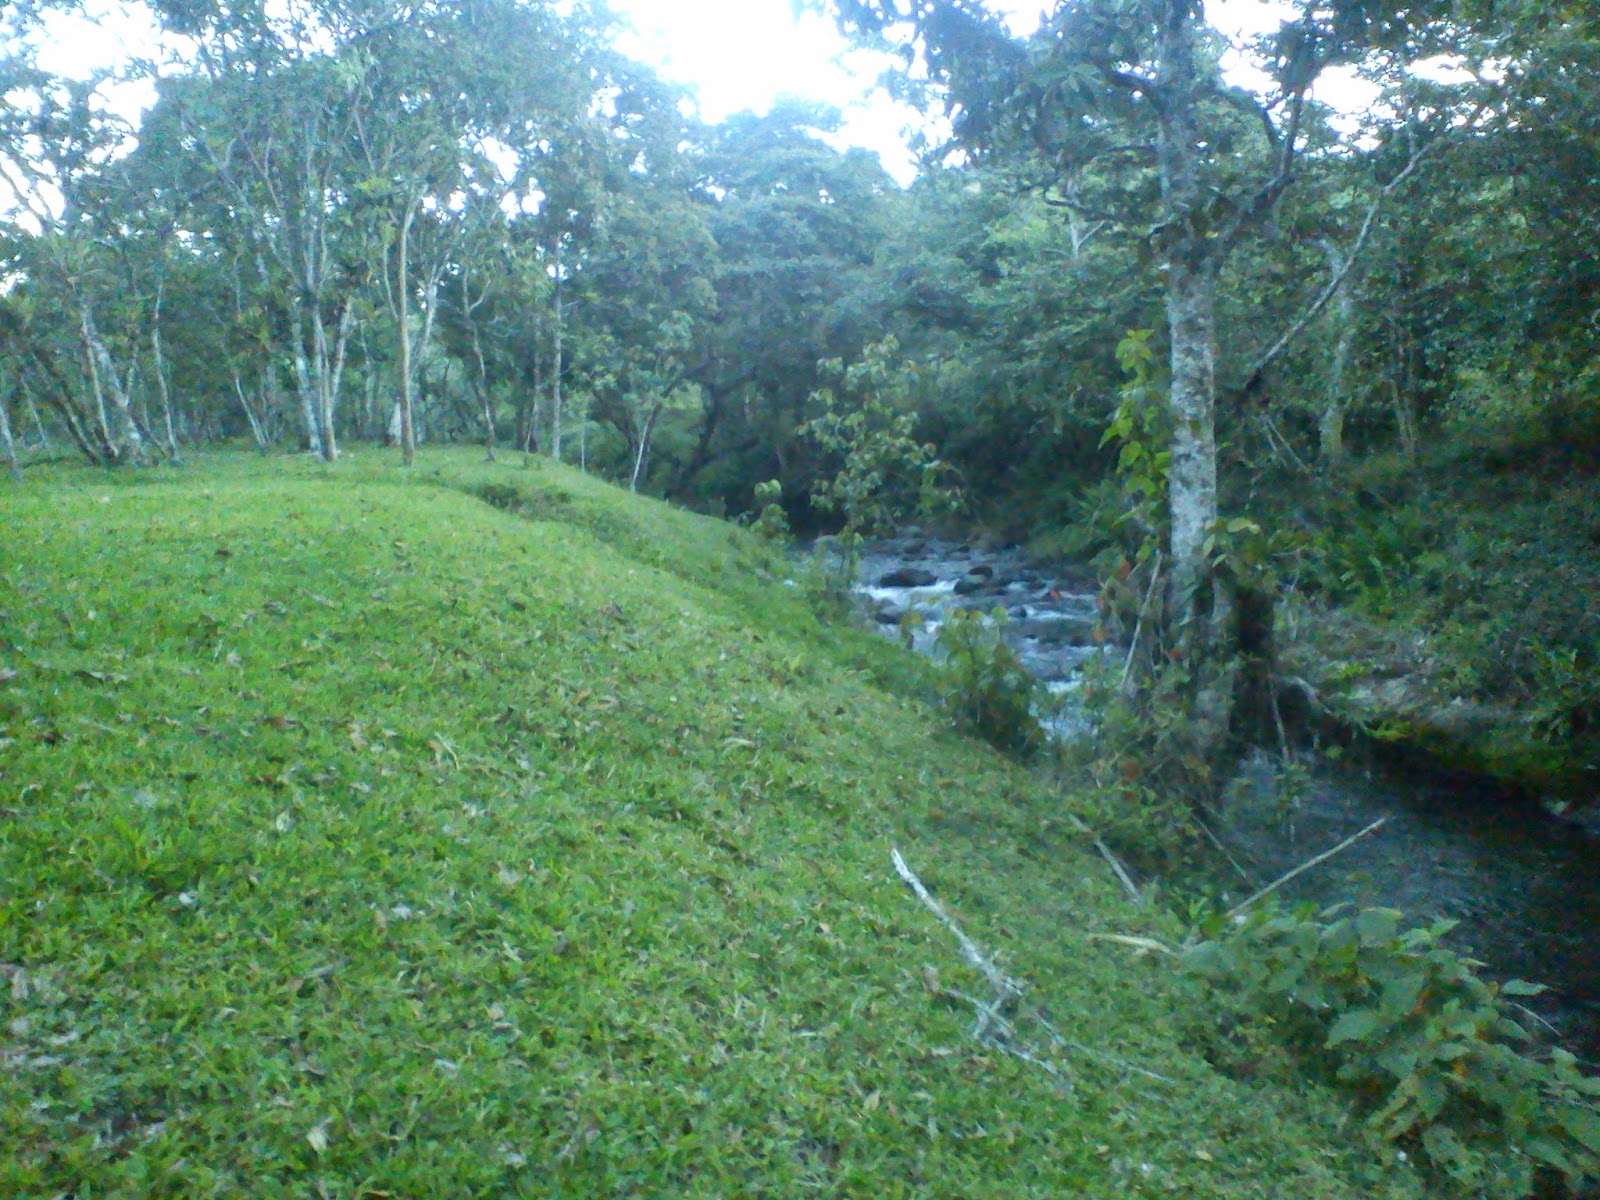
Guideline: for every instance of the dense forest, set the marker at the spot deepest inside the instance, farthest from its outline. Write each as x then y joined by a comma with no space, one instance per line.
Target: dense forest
1130,307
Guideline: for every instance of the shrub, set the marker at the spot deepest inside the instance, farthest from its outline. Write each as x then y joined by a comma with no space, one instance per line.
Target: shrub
1427,1044
986,686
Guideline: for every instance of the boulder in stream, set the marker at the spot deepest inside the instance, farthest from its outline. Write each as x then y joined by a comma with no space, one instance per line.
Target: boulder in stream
908,577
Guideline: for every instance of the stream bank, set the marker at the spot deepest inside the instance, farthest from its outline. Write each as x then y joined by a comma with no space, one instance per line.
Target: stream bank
1521,881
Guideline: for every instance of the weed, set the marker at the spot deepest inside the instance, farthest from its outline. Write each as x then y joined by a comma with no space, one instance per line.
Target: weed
1431,1048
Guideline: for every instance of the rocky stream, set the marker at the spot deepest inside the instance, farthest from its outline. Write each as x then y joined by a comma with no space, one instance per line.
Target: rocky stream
1523,883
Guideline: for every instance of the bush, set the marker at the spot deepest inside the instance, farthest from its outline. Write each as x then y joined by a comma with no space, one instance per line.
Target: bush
1429,1046
986,686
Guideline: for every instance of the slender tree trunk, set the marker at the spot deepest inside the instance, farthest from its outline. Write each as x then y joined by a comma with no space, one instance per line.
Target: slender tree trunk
555,370
1330,424
163,385
38,422
256,434
530,424
8,443
128,442
335,385
642,454
480,385
307,389
408,433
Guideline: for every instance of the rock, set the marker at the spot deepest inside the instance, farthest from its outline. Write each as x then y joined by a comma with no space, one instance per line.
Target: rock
981,570
969,585
908,577
889,614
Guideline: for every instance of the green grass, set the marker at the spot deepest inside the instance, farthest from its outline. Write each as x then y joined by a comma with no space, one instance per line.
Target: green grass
360,838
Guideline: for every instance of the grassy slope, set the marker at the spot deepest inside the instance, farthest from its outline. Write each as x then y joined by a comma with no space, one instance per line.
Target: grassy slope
358,839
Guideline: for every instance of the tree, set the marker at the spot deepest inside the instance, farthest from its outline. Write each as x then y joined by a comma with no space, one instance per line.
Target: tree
1123,110
797,226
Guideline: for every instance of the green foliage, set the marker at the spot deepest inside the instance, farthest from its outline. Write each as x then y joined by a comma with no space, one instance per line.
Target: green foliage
1430,1047
1142,429
772,523
1141,757
883,474
986,687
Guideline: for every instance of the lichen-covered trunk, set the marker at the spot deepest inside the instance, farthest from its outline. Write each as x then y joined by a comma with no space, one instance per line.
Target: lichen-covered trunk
126,442
1198,607
408,429
7,443
1192,477
1330,423
309,405
555,373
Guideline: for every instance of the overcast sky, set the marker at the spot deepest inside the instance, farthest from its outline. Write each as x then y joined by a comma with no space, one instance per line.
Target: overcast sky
734,54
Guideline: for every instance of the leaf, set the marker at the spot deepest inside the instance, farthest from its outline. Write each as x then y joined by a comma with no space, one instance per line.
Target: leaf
1584,1126
1357,1025
318,1137
1521,987
1377,925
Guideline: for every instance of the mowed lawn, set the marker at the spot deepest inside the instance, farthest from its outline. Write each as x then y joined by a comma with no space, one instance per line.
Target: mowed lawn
360,837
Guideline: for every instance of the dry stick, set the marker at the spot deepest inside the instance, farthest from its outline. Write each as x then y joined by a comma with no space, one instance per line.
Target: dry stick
1105,853
1007,988
1217,842
969,948
1138,625
1306,866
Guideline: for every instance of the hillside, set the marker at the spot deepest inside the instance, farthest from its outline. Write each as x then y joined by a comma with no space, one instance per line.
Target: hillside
361,838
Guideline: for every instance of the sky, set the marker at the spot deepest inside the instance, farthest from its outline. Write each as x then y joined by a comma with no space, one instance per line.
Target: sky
734,54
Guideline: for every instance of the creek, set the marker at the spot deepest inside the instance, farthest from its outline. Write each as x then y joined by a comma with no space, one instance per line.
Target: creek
1523,884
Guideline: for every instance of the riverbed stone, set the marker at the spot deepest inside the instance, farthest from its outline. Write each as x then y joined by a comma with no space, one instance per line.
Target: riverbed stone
908,577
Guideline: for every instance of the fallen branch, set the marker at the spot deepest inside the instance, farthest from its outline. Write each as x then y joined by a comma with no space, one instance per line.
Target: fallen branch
1120,871
1277,883
1143,945
993,1027
1223,850
1138,625
969,949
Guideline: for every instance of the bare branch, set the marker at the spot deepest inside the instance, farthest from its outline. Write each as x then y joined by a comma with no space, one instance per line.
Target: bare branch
1340,273
1277,883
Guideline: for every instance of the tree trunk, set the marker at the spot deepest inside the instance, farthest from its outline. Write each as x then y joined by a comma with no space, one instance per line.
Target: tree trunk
555,372
642,455
307,390
38,422
1198,607
1192,478
408,432
335,384
1330,425
165,387
128,442
256,434
480,385
8,443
